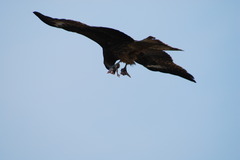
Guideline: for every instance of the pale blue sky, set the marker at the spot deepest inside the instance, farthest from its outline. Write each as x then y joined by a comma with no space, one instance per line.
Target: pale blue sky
57,102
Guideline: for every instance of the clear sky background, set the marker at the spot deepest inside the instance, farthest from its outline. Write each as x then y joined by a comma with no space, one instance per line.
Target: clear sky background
58,103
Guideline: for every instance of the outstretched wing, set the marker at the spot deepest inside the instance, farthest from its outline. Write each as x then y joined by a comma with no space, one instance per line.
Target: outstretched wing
105,37
157,60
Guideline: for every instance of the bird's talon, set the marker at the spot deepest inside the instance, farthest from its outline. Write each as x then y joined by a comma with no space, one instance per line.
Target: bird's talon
111,71
117,73
124,72
114,69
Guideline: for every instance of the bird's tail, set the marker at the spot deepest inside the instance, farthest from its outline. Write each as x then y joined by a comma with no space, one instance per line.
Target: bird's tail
153,43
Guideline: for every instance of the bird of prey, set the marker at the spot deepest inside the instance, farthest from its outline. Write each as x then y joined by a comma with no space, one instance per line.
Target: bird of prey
119,47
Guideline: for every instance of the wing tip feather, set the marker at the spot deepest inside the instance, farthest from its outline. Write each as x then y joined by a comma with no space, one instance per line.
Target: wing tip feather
190,78
48,20
38,14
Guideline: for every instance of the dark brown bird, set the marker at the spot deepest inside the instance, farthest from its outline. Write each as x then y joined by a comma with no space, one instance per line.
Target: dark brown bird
119,47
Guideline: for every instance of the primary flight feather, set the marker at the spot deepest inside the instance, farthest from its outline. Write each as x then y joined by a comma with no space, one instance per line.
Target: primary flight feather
117,46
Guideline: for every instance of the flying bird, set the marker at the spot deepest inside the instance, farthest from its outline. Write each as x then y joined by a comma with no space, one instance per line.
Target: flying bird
121,48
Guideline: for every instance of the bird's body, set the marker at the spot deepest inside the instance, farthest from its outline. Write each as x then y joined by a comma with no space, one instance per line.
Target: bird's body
116,45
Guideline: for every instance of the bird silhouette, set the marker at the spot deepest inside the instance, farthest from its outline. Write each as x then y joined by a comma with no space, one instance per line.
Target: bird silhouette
119,47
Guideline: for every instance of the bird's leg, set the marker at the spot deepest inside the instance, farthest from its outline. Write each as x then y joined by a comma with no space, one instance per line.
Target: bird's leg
114,69
124,71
